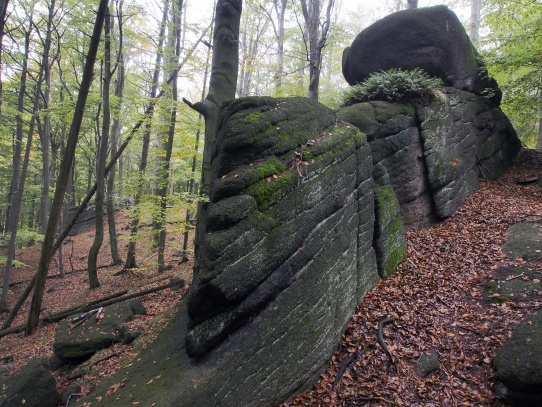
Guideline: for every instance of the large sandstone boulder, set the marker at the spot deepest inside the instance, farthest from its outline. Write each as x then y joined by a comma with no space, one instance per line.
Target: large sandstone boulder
430,38
289,250
435,153
519,364
291,194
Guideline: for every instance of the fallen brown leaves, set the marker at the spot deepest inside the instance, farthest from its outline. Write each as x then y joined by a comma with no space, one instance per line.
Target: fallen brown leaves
436,300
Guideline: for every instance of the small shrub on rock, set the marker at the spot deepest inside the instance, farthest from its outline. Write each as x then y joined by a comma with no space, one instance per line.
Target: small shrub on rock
393,85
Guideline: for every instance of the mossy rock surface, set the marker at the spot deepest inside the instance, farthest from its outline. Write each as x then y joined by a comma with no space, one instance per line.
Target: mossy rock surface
524,240
519,364
80,343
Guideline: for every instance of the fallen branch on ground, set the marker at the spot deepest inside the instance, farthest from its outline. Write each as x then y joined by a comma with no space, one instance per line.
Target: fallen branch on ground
88,368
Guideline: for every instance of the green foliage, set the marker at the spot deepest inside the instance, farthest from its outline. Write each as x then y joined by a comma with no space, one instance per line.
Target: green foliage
394,85
24,237
514,58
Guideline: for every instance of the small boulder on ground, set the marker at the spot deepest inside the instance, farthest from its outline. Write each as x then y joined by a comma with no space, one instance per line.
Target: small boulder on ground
519,364
74,344
32,386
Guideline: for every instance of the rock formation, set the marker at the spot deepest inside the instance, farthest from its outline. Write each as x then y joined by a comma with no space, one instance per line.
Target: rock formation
306,214
431,38
436,152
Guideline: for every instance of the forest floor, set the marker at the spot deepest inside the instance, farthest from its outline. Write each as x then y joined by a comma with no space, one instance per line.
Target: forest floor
436,301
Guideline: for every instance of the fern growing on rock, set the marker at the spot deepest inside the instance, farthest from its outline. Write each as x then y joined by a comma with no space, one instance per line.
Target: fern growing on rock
393,85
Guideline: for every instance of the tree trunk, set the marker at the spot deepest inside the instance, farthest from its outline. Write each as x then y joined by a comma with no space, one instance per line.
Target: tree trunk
3,12
175,43
17,148
67,160
131,255
16,202
222,86
474,27
45,135
115,138
315,39
412,4
539,142
101,160
191,185
18,181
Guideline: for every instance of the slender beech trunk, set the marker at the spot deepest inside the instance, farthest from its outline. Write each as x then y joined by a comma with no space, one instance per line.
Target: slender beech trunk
3,12
45,135
18,144
315,40
191,185
474,26
17,199
412,4
175,42
539,143
64,172
131,255
115,138
103,143
222,86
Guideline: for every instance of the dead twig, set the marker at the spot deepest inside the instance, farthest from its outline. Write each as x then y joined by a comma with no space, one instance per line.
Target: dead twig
380,338
342,368
88,368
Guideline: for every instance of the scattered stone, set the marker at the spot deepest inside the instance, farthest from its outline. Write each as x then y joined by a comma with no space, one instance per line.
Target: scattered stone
177,283
32,386
427,363
519,364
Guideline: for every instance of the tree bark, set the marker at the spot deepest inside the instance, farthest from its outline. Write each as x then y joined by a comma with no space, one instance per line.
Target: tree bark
115,138
131,255
222,86
175,43
45,135
412,4
315,39
67,160
101,161
3,12
474,27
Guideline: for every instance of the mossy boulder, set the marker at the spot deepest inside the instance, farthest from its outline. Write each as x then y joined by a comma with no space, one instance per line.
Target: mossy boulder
519,364
76,344
435,152
288,180
524,240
